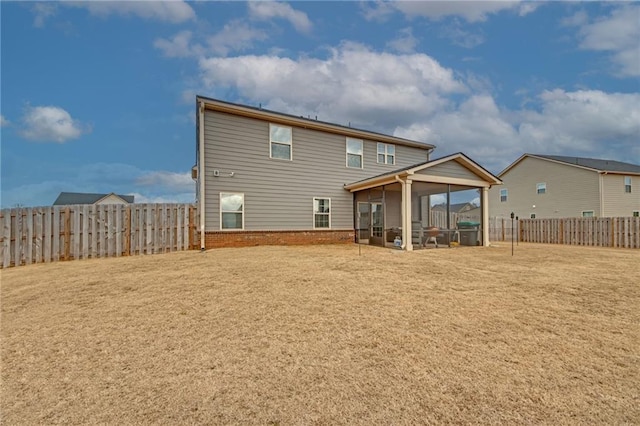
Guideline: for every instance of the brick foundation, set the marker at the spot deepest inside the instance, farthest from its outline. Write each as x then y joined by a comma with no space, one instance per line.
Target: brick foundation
219,239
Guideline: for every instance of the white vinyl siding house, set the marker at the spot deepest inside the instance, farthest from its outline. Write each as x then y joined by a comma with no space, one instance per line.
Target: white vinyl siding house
543,186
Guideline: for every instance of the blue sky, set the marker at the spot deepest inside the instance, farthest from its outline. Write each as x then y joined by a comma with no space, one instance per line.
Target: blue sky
100,96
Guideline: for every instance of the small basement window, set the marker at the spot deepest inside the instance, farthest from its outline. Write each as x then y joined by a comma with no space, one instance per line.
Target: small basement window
587,213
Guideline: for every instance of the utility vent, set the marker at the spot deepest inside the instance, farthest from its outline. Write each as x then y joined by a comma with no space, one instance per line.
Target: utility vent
216,173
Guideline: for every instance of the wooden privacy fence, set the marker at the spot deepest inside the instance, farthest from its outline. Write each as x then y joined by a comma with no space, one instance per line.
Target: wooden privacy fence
50,234
502,229
622,232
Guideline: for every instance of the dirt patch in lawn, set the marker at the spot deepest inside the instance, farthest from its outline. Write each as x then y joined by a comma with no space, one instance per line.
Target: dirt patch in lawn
323,335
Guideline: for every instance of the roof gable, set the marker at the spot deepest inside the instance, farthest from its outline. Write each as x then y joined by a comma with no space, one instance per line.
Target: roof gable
459,157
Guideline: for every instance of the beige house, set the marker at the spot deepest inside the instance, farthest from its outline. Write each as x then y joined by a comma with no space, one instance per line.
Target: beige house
552,186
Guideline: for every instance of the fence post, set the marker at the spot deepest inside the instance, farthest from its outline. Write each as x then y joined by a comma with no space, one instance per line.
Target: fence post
6,240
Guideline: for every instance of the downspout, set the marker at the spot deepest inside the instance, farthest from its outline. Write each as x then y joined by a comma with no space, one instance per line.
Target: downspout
201,173
601,184
404,218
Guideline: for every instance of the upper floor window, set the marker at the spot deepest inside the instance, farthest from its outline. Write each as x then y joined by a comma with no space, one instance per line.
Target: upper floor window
503,195
386,153
541,188
627,184
587,213
321,213
231,211
354,153
280,142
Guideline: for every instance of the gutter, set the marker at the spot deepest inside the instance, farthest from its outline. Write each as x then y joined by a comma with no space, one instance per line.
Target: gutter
201,173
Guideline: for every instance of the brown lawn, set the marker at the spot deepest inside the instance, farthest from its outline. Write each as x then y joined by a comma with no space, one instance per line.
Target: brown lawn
321,335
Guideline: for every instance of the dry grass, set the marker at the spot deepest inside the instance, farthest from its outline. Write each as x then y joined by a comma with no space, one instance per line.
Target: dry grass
320,335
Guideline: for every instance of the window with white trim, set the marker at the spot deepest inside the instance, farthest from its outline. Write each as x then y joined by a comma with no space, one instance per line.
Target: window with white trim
354,153
541,188
587,213
231,211
386,153
322,213
627,184
532,215
280,142
503,195
635,213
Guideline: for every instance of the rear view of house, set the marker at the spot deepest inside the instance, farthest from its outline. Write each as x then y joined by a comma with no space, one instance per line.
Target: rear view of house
552,186
270,178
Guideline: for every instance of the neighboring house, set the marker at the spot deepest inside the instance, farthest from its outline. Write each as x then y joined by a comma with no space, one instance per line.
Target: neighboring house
454,208
70,198
552,186
265,177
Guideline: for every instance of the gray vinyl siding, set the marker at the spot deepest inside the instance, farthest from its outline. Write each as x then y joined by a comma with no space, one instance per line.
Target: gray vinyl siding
616,202
449,169
278,194
570,190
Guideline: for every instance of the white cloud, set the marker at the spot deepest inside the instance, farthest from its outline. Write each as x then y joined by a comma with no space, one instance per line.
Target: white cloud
50,124
391,89
590,119
618,33
583,123
179,46
266,10
173,11
471,11
4,122
169,180
405,42
148,186
188,197
476,127
42,11
461,37
234,36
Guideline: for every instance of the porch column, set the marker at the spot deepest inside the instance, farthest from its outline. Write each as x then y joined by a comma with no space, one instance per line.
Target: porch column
485,216
407,215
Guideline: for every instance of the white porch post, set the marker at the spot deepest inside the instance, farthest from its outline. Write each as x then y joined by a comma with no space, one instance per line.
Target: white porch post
485,216
407,216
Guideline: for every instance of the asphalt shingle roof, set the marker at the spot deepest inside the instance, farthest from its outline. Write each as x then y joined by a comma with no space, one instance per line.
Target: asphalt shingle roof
69,198
593,163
